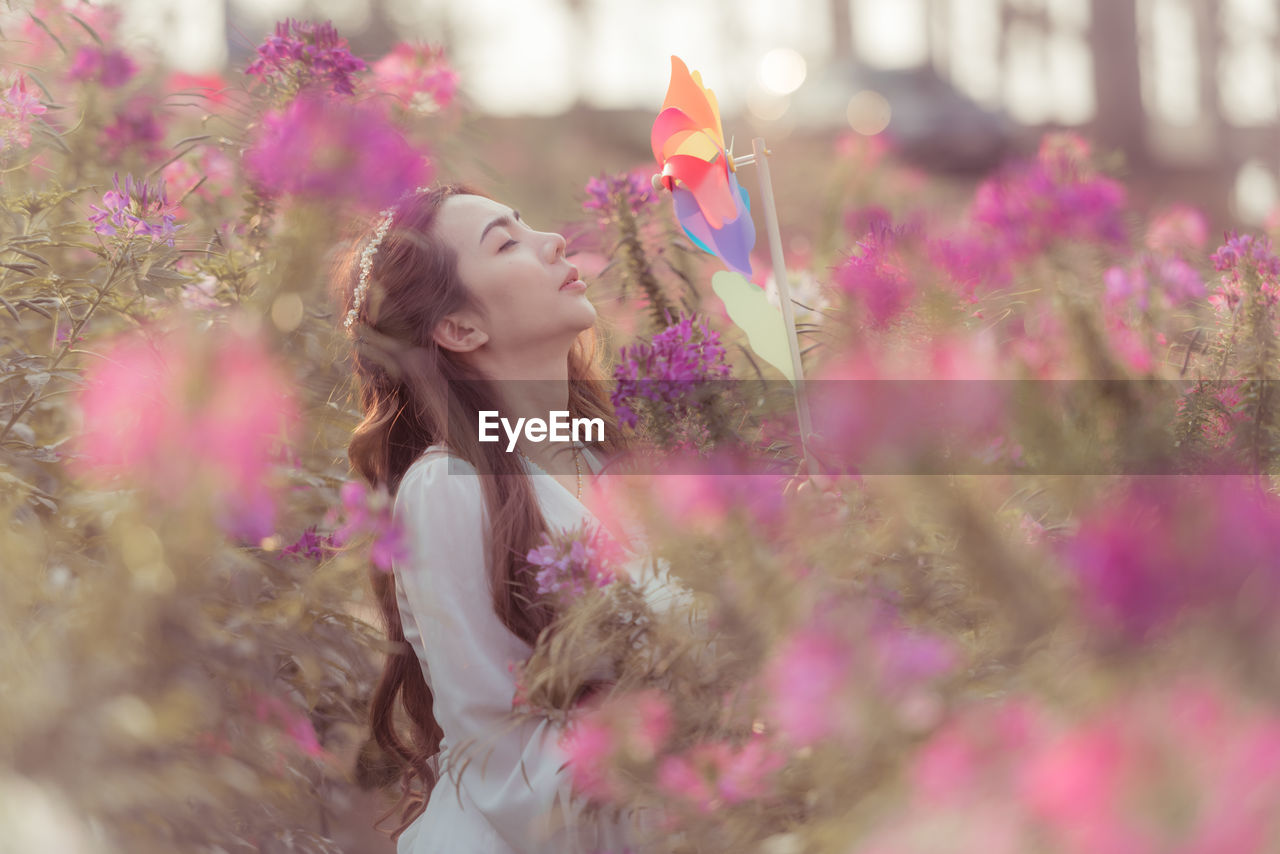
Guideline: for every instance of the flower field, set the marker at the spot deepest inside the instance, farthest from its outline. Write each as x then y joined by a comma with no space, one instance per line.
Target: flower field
1025,601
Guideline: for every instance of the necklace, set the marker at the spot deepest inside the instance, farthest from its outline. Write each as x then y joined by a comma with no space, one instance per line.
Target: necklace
577,467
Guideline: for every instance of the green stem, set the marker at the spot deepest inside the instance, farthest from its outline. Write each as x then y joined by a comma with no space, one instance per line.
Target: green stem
67,347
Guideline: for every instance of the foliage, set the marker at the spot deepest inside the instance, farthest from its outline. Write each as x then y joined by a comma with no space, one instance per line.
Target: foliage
957,644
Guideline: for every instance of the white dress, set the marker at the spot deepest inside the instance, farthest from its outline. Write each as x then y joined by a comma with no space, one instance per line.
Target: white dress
468,656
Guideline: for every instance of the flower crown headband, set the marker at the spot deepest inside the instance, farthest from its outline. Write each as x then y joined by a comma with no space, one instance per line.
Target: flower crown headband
366,257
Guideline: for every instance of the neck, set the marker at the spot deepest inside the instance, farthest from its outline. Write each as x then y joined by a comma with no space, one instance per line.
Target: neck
531,388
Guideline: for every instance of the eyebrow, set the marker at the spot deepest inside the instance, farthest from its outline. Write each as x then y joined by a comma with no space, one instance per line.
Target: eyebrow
502,220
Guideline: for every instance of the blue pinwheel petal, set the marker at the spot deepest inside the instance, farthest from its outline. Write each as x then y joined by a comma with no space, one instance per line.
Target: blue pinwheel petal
731,243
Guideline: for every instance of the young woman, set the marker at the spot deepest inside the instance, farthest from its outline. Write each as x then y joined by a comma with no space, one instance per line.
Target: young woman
457,306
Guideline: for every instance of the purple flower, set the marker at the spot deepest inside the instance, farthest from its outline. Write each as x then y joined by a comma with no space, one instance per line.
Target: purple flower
630,189
111,68
138,208
334,151
302,53
666,370
1246,258
17,108
567,562
310,545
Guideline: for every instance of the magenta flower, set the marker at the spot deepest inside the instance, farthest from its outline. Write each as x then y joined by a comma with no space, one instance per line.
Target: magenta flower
111,68
137,209
667,370
1162,547
304,53
972,259
18,107
1031,206
418,75
372,512
875,277
193,418
336,152
569,562
135,126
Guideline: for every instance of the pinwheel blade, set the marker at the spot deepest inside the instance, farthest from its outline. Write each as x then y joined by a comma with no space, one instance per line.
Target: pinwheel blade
694,99
709,184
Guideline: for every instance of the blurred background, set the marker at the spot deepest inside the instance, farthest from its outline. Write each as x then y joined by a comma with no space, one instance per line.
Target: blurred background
1185,90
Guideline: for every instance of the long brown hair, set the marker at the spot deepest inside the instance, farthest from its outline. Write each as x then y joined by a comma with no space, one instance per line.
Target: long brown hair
413,394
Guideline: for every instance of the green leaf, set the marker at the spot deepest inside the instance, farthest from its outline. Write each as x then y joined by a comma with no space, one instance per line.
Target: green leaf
751,311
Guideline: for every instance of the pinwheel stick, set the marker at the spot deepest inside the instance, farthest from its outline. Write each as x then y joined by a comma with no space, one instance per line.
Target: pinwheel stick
760,157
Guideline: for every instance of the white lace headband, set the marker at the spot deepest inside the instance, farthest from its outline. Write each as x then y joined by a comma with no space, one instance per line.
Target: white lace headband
366,257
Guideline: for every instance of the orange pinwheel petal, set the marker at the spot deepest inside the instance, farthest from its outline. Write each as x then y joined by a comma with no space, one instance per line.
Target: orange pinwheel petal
689,95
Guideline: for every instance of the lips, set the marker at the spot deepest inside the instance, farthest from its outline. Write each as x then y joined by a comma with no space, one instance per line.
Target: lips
571,278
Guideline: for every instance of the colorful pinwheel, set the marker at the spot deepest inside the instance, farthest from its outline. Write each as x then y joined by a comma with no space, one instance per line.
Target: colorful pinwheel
688,143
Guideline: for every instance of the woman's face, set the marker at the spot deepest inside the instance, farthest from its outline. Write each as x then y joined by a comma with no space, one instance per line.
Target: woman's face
515,274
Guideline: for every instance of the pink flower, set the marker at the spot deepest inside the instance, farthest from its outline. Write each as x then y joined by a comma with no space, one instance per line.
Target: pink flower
372,512
334,151
18,107
804,678
111,68
1178,230
418,75
590,744
1127,344
718,772
194,418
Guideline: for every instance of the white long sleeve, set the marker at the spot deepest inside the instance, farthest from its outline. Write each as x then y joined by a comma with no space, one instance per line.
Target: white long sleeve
515,779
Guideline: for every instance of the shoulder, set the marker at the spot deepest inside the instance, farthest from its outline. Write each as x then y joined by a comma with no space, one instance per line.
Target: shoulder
436,480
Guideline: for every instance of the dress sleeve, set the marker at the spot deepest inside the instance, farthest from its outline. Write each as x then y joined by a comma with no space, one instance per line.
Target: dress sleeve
514,775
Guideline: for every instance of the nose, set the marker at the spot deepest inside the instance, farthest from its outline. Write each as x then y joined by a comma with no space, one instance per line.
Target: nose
558,246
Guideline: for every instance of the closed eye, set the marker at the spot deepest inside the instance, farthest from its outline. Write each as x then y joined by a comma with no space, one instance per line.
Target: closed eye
505,245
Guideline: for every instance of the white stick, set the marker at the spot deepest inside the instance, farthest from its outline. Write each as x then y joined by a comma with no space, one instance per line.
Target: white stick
759,155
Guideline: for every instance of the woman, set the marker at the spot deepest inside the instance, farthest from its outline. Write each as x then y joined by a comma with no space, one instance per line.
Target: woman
457,306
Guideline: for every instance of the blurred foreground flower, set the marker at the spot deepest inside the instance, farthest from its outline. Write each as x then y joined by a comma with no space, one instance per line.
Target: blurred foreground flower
1184,768
110,67
370,512
138,208
334,152
418,75
301,53
1160,548
185,410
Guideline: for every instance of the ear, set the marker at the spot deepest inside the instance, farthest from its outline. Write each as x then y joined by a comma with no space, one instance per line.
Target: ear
459,333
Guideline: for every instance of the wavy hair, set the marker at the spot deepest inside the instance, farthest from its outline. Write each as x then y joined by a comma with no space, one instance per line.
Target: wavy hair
412,394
